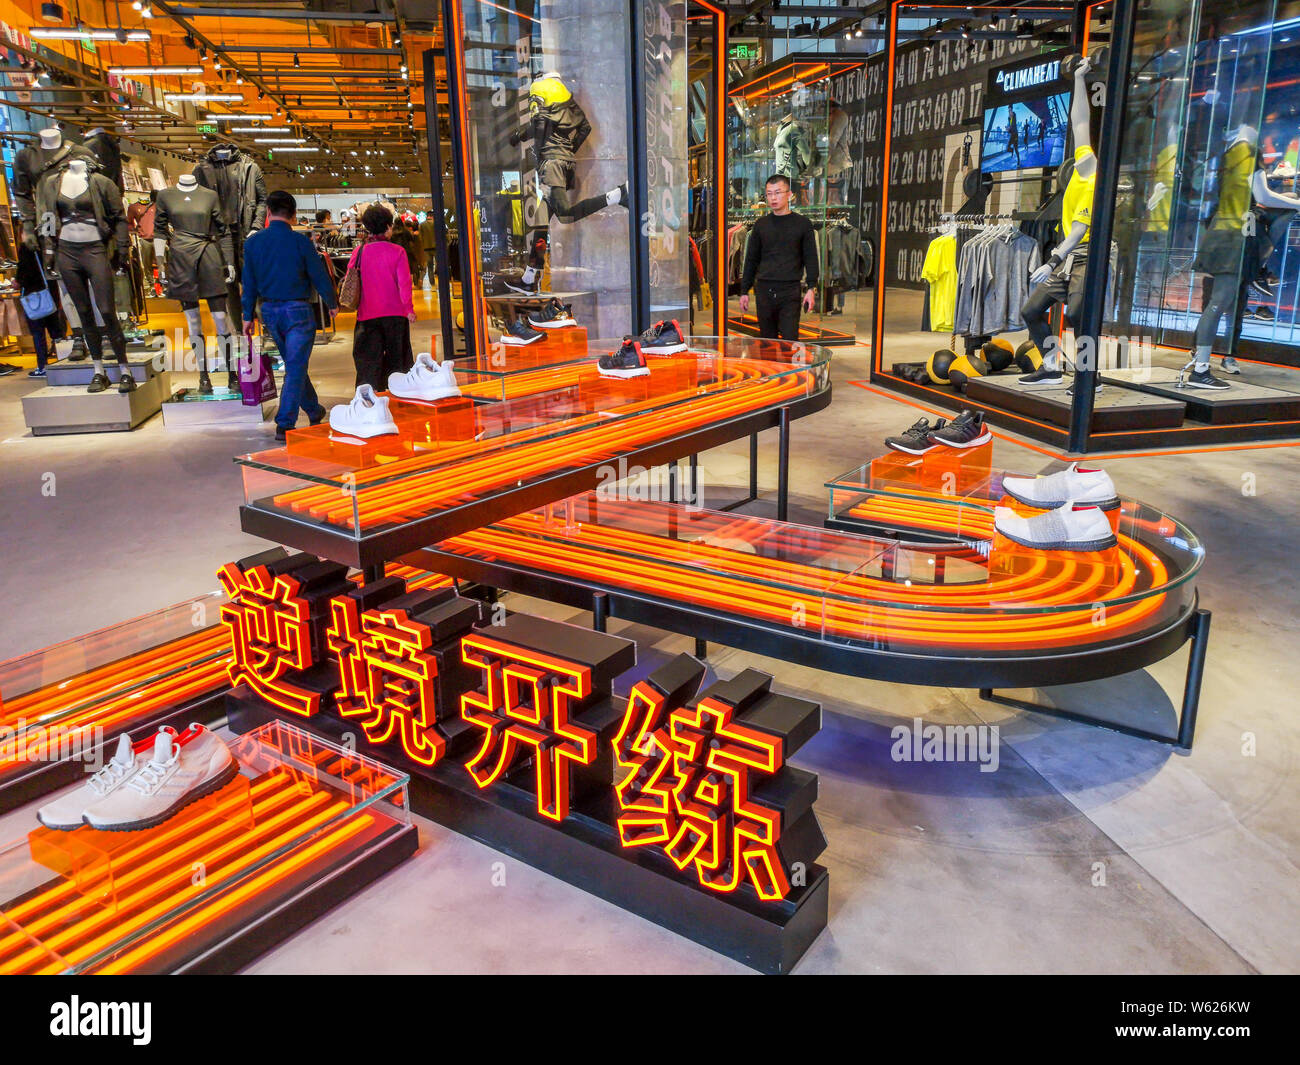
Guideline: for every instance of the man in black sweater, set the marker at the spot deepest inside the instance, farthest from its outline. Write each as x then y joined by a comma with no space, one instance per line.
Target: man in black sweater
782,249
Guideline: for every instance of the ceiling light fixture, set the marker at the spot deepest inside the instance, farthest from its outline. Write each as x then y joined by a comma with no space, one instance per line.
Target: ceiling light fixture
236,118
295,150
202,97
155,70
259,129
84,33
52,12
279,140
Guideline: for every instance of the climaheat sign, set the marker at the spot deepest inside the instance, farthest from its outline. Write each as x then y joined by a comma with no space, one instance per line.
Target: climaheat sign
1013,81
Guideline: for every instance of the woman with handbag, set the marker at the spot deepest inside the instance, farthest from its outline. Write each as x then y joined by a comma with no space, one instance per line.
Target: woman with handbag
38,307
378,285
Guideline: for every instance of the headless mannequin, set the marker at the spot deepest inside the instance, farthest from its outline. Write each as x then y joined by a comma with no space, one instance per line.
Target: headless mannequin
1235,224
1060,279
51,141
82,263
188,184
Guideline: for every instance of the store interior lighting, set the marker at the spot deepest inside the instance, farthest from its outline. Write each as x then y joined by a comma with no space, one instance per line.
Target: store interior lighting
84,33
202,97
160,71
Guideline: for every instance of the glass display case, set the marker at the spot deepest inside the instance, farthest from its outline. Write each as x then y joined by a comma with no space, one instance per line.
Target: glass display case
796,118
152,901
458,463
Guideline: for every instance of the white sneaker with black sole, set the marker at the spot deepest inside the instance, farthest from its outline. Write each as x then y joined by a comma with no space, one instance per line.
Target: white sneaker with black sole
182,768
1078,484
67,812
1070,527
1229,365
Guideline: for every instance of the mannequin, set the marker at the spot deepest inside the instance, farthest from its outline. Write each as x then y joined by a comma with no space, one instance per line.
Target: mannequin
241,191
1060,279
558,127
84,225
31,163
103,145
1236,244
188,232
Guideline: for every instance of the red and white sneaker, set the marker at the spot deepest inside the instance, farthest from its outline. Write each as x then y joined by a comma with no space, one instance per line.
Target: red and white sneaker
68,811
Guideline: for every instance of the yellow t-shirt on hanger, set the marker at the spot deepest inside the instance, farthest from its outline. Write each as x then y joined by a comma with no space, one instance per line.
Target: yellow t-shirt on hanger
940,269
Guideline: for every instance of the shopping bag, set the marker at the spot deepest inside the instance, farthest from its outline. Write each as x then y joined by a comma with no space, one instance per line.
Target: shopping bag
350,290
256,382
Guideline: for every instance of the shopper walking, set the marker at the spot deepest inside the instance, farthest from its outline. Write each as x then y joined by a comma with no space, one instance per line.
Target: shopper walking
409,242
281,267
35,296
381,344
782,249
429,242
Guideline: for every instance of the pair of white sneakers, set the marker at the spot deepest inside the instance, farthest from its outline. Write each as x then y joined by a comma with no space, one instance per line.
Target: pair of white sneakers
367,415
1074,502
146,783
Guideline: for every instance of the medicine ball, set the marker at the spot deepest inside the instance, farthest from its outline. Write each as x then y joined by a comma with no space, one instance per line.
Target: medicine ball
936,367
460,321
999,354
1028,357
964,368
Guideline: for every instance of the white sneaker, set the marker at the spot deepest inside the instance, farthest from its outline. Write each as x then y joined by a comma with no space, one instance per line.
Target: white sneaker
181,769
1070,527
366,416
425,380
1080,484
67,811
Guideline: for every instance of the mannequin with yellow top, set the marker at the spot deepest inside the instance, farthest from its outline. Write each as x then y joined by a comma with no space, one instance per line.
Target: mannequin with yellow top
1060,279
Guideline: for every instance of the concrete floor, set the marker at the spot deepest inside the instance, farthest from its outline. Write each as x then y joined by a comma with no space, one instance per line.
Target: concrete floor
1086,851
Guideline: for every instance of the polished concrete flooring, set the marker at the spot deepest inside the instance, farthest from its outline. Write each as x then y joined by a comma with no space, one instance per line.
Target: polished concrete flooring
1086,851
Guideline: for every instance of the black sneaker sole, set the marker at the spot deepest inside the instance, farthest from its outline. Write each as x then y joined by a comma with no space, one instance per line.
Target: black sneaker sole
1063,545
1052,383
1104,505
215,784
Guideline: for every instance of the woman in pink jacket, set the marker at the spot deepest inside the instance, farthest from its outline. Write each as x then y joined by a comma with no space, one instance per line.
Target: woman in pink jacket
381,344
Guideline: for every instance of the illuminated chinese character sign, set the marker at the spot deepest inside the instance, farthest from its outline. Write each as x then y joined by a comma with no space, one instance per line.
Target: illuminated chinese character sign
514,723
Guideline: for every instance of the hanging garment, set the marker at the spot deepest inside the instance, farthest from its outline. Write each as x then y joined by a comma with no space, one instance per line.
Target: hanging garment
191,222
940,270
793,148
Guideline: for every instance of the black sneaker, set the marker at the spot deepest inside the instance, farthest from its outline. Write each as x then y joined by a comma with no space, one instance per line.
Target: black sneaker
36,373
663,338
1260,287
965,430
1263,314
553,315
1042,378
125,382
526,284
1096,390
78,352
519,333
628,361
98,383
916,441
1205,380
6,369
205,384
279,435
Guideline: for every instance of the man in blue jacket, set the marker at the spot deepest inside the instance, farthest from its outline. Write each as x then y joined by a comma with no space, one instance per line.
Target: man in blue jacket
281,267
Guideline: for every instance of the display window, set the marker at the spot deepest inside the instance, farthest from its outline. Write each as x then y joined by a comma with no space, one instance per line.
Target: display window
1104,258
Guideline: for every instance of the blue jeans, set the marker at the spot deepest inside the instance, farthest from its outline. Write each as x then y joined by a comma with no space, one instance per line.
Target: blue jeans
292,325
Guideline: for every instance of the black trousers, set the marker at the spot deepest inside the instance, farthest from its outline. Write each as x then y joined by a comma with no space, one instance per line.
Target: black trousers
1228,298
777,307
381,346
86,275
1058,288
